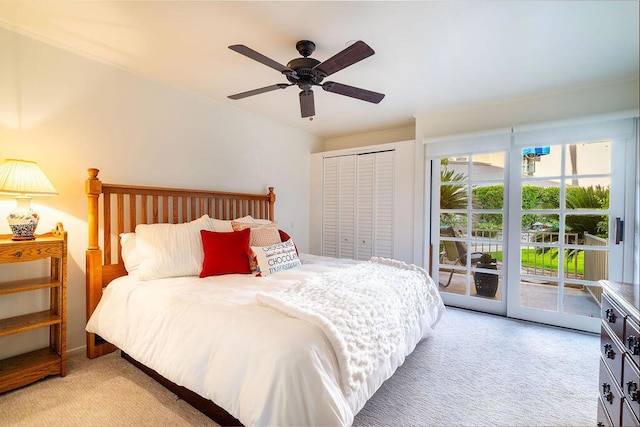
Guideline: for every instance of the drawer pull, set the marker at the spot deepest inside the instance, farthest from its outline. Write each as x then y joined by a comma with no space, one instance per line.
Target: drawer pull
608,351
600,424
632,390
633,344
606,392
610,315
18,254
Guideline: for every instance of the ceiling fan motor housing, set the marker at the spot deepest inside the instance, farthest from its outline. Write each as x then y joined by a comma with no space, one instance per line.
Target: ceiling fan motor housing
305,76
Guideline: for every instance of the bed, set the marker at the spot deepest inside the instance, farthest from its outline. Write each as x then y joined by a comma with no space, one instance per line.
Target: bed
298,340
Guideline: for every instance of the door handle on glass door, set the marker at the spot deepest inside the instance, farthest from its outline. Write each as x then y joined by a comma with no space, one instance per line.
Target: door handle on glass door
619,230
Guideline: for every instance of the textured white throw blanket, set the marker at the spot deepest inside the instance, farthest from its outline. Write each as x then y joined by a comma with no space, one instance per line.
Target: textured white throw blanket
365,311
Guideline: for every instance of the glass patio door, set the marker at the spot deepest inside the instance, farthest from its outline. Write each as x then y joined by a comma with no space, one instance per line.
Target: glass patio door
469,195
528,227
567,211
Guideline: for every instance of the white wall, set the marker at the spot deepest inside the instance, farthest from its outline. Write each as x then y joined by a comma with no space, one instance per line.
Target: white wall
68,113
403,197
370,138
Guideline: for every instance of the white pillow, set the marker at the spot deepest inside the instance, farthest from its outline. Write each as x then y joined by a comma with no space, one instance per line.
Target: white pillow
278,257
251,220
220,225
171,250
130,255
245,219
262,221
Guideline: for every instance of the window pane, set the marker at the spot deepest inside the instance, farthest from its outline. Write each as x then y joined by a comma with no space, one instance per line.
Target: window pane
590,197
539,294
588,158
488,197
542,161
454,196
578,228
581,300
458,221
540,195
488,167
539,228
539,261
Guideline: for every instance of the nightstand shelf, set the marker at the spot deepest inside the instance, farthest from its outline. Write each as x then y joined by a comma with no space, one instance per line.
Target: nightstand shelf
28,285
27,322
25,368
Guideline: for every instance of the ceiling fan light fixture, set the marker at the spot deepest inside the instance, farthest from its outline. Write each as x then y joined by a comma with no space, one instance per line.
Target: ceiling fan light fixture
307,72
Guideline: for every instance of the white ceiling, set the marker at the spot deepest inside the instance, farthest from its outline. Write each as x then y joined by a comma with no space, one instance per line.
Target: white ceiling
430,56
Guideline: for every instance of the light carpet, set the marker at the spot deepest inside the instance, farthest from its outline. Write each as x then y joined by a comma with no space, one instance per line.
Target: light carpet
474,370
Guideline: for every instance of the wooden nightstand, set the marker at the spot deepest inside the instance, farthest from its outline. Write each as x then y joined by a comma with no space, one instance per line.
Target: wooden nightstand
26,368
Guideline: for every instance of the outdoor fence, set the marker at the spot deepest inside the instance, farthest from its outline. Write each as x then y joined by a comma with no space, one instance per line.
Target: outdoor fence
596,264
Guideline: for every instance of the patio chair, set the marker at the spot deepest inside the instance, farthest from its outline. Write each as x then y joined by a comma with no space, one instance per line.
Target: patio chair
455,252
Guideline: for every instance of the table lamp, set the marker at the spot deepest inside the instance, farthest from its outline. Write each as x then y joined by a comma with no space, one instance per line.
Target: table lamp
24,179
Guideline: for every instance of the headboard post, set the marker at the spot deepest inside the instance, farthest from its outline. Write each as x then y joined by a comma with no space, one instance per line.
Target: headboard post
272,201
93,188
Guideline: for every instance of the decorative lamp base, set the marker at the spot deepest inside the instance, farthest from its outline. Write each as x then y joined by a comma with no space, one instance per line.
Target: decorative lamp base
23,221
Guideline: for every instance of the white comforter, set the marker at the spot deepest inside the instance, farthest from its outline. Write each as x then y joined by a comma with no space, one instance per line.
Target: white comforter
213,337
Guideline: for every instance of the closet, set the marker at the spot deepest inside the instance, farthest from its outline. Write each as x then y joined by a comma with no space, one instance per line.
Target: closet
358,205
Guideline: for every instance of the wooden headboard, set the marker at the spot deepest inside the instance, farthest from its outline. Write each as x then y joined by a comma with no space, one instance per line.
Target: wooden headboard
115,209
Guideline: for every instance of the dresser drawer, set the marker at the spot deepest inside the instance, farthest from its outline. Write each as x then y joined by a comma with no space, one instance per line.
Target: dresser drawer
631,385
628,417
603,416
610,393
611,352
632,340
613,317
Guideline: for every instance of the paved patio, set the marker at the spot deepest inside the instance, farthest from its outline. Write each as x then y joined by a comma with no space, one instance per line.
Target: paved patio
537,295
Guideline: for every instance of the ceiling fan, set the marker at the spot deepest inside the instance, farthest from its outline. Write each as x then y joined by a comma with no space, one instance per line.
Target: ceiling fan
307,72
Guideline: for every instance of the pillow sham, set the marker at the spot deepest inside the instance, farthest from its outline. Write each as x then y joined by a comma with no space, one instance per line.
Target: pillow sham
220,225
251,220
261,235
262,221
130,255
225,253
171,250
278,257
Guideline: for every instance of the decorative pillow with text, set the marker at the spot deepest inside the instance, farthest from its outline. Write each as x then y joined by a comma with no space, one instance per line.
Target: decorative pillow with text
278,257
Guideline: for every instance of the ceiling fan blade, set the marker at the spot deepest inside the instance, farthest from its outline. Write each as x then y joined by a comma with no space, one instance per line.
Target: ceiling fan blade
256,56
258,91
349,56
307,106
353,92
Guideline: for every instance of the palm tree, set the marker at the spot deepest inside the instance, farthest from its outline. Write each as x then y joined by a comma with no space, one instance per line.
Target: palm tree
452,196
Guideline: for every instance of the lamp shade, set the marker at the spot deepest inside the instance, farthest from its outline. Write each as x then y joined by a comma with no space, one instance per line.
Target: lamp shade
24,178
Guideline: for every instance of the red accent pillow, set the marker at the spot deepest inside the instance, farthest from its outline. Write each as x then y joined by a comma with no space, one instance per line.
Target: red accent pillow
225,253
284,237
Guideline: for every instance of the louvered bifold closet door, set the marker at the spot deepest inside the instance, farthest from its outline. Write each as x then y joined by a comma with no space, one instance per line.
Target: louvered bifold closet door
383,202
357,205
330,207
346,206
365,205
